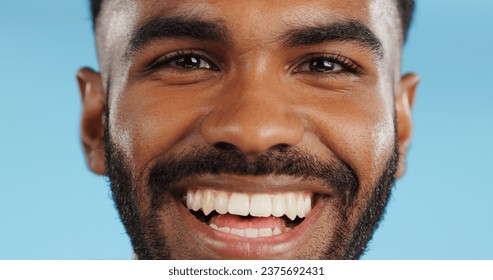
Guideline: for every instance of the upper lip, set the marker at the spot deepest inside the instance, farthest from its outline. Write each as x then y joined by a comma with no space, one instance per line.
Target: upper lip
252,184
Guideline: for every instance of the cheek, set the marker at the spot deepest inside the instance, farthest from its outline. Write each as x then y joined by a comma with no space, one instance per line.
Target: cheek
146,125
362,135
357,128
151,123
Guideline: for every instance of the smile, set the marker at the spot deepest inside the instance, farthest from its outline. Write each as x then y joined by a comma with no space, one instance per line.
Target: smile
250,215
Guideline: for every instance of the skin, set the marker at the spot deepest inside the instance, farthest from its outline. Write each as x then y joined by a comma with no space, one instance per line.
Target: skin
263,95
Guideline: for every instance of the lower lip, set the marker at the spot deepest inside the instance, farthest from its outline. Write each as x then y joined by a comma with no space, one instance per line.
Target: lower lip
229,246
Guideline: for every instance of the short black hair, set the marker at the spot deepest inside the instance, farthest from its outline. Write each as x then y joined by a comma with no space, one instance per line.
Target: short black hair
405,7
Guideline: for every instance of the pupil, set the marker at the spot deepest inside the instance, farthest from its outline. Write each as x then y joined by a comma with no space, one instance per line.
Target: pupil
188,62
321,65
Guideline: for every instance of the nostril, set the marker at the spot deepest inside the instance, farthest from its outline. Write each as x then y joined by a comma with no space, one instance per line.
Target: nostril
226,147
280,147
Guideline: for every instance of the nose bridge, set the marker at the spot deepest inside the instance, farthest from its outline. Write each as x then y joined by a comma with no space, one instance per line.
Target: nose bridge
252,114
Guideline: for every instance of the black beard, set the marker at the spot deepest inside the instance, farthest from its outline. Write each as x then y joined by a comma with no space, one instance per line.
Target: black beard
148,244
375,210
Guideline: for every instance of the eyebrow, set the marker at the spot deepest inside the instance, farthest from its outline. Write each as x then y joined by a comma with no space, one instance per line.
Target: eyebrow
174,27
349,31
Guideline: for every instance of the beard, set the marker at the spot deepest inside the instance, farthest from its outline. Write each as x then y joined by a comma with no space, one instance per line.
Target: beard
149,243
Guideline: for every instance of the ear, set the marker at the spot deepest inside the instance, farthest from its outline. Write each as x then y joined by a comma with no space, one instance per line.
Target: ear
404,102
92,122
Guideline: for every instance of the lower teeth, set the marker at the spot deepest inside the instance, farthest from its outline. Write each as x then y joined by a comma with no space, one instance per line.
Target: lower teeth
248,232
251,232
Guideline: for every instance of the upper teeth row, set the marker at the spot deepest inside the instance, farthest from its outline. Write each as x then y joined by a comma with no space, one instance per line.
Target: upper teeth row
291,204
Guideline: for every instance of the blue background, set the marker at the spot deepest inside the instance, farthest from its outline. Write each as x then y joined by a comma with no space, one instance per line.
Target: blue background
53,207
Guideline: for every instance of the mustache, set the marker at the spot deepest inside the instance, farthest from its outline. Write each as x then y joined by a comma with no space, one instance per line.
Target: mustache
290,161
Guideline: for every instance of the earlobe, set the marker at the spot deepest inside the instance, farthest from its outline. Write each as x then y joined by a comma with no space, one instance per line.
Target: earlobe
404,102
92,121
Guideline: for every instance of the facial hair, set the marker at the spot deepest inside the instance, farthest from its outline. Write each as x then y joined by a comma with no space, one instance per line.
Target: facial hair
149,244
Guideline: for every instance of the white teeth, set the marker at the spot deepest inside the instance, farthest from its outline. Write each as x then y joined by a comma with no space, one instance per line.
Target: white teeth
225,229
291,204
300,203
239,204
276,231
265,232
238,232
308,204
250,232
197,201
261,205
221,202
278,205
190,200
208,202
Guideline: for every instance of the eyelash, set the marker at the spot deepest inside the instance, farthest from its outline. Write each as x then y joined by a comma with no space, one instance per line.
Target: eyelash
165,60
347,64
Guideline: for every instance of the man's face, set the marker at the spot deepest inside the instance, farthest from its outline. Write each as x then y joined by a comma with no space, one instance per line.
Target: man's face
248,129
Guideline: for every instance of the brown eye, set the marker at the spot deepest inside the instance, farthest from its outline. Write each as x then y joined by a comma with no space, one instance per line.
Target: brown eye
190,61
321,65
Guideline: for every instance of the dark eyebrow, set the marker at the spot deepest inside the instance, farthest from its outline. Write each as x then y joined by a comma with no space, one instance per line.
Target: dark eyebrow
173,27
340,31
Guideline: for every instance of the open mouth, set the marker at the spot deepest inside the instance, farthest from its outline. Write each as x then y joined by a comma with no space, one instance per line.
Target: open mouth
250,215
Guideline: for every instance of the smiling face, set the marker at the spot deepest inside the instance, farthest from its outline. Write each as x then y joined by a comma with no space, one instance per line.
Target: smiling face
248,129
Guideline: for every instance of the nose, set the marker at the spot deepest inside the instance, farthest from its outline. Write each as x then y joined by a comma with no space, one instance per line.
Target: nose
252,117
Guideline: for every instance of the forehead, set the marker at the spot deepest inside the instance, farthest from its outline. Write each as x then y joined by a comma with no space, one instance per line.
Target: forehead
256,12
244,19
264,14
